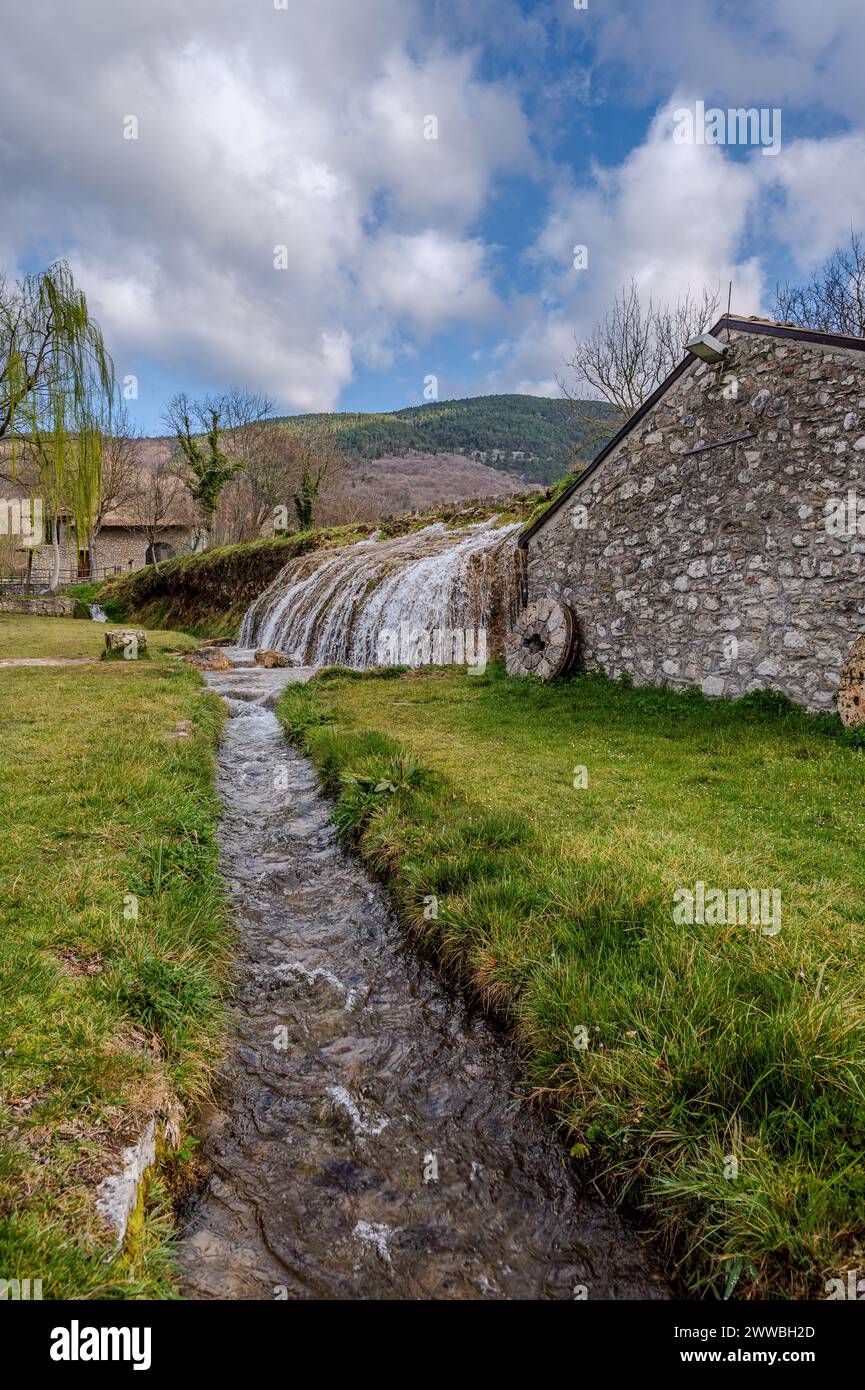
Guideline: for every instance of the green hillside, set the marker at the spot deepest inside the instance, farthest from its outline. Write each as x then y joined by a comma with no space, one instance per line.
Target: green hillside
544,430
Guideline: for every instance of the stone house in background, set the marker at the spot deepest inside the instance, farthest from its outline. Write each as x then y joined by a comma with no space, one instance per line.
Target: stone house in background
122,544
719,538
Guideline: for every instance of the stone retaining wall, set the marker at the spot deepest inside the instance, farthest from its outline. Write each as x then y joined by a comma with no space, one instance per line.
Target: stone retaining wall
44,607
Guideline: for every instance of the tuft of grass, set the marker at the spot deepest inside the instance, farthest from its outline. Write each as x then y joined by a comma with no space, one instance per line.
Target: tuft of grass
711,1076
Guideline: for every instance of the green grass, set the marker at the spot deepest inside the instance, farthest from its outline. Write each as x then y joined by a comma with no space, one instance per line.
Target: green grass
89,592
25,636
554,903
115,949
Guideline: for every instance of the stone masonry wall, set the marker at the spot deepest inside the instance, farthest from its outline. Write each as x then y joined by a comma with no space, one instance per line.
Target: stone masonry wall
44,607
718,568
126,548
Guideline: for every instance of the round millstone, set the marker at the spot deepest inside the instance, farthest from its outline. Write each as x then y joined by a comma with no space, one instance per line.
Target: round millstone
543,641
851,691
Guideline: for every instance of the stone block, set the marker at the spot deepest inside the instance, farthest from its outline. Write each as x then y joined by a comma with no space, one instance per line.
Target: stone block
130,642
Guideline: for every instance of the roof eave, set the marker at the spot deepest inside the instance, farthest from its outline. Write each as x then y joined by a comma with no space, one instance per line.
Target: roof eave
768,330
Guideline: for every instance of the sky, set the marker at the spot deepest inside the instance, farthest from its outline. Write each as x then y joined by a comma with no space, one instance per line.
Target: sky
333,201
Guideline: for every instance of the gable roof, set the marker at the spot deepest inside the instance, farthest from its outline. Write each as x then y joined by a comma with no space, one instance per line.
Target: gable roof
766,327
180,511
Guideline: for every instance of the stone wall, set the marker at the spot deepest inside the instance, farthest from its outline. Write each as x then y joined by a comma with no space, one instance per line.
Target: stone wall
126,548
44,607
719,568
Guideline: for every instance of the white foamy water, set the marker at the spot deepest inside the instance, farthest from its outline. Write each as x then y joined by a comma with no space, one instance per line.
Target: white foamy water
346,1102
319,972
331,607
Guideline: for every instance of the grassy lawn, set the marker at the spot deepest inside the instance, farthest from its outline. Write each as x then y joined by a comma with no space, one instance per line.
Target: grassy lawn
115,946
21,635
711,1074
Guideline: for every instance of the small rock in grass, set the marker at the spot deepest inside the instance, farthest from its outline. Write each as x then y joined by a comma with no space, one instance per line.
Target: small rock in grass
126,641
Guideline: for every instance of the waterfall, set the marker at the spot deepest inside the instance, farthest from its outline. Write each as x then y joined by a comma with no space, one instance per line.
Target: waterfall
347,606
97,613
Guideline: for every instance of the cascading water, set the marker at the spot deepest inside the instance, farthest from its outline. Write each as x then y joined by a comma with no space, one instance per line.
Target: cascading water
97,613
337,607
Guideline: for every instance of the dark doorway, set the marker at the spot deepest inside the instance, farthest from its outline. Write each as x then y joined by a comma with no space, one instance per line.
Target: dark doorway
163,552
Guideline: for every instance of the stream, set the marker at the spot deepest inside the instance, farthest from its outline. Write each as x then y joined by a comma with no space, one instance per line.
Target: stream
368,1137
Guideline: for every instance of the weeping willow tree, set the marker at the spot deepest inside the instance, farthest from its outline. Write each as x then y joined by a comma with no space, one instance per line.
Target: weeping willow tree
56,390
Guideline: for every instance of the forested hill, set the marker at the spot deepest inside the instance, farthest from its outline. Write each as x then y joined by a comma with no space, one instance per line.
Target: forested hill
542,432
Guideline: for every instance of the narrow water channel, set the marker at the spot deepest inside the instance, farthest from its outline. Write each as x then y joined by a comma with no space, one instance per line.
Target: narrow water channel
367,1138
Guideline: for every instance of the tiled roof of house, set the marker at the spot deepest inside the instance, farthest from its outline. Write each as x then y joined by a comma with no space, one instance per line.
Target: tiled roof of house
24,484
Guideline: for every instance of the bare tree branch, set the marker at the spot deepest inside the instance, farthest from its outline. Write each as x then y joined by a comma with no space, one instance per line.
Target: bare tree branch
153,503
217,437
833,300
630,351
276,467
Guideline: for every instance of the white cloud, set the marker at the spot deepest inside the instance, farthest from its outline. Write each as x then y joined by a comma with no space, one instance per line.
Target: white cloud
823,188
790,52
304,127
429,280
301,128
677,217
671,216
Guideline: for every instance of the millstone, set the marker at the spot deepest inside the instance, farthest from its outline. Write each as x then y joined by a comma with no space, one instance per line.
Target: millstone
543,642
851,691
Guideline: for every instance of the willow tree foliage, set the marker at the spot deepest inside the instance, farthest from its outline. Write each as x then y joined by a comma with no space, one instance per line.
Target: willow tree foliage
56,390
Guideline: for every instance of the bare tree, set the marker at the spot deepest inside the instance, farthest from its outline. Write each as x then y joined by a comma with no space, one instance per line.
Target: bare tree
285,463
244,420
248,504
154,503
119,479
343,502
316,460
216,438
833,300
630,351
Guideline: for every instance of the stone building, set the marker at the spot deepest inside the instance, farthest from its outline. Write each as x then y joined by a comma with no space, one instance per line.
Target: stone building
123,543
719,538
